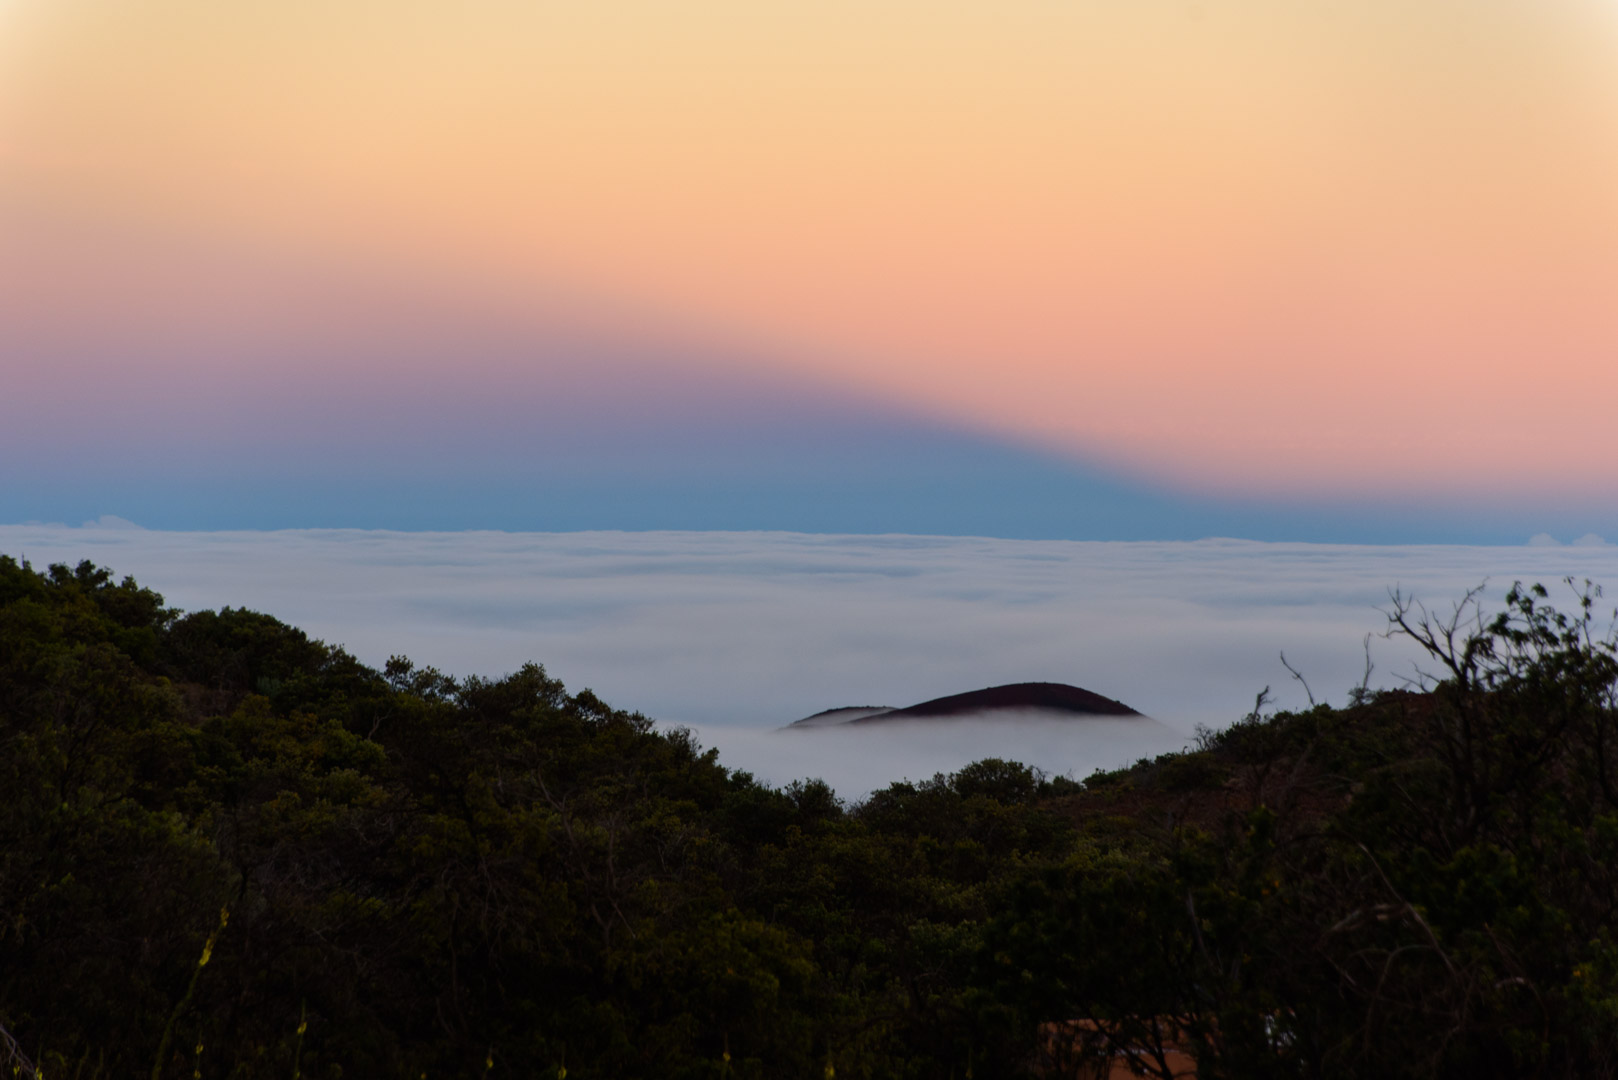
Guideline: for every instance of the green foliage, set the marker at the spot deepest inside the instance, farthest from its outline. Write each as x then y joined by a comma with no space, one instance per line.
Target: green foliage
391,873
228,849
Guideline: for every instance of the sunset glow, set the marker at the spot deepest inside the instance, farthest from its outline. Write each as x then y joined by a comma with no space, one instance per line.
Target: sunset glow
1241,247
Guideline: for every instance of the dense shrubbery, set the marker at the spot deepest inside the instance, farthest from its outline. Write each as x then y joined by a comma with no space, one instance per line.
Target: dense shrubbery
228,849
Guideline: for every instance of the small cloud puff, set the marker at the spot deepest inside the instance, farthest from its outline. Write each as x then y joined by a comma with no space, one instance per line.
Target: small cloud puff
1590,540
1543,540
112,521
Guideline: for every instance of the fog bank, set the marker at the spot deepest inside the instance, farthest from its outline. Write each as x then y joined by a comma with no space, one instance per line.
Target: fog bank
856,759
736,634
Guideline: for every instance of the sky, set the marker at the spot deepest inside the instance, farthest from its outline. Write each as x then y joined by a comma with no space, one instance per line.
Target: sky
1155,269
737,634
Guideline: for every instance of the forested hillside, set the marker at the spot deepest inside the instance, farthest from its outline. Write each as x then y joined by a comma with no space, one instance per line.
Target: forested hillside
227,850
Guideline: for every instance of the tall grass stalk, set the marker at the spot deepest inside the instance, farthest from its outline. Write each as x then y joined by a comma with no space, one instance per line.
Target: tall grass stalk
297,1053
191,989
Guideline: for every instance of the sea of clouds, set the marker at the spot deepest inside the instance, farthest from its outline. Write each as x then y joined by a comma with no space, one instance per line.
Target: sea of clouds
737,634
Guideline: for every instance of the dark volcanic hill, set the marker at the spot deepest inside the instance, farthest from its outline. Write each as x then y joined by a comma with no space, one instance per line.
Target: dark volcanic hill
837,717
1033,696
1046,696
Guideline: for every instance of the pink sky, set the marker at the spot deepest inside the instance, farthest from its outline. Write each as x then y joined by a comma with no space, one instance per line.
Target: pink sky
1239,246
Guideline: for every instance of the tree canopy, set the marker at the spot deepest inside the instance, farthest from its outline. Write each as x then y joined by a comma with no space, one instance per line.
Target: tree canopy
229,850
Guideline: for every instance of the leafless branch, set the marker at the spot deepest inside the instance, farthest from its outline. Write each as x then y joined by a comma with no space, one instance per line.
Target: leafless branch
11,1054
1296,674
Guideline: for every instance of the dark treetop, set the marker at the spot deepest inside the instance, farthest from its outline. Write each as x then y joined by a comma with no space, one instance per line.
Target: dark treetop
229,850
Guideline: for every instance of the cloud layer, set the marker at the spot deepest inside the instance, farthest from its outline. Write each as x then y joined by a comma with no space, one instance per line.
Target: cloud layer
736,634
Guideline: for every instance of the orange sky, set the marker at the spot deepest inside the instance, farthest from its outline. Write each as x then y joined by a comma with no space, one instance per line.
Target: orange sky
1241,245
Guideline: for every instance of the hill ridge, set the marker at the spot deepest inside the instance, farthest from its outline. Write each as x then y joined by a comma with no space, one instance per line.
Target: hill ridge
1042,696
